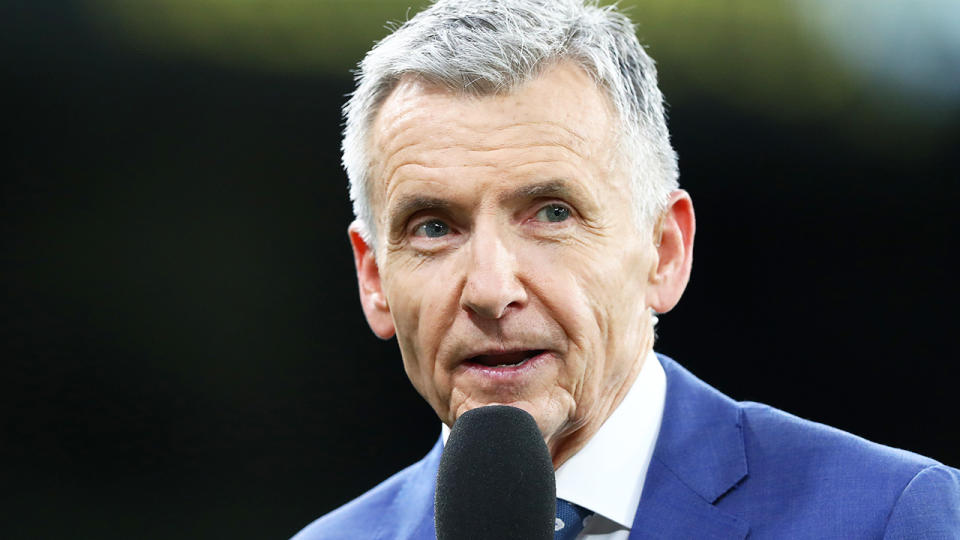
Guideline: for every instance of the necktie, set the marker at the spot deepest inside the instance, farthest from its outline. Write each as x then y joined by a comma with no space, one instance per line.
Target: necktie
569,521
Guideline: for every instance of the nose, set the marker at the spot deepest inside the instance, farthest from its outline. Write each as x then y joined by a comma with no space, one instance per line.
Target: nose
492,285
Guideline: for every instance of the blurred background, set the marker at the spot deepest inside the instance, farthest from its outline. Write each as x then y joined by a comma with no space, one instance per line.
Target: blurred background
184,355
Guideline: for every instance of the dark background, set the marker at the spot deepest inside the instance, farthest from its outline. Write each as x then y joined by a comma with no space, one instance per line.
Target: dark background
184,355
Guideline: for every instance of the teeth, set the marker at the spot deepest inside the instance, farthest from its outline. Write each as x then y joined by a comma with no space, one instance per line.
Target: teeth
510,360
520,363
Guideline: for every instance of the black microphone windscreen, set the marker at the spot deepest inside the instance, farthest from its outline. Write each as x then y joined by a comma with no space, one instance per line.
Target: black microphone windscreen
496,478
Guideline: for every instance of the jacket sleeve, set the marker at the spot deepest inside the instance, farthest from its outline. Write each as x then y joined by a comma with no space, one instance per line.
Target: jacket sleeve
929,507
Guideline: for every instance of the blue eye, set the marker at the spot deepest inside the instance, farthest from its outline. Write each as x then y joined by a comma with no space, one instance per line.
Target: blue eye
553,213
432,229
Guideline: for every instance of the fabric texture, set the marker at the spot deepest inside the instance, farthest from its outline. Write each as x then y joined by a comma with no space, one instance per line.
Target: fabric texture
569,520
722,470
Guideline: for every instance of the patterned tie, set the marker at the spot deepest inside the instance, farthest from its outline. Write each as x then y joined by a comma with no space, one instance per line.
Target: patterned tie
569,520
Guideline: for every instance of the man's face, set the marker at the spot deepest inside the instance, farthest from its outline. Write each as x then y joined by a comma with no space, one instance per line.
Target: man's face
509,262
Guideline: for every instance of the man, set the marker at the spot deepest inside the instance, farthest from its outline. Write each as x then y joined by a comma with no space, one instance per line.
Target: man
519,224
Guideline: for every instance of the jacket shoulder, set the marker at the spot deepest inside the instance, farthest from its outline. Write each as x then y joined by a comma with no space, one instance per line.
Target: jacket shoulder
822,475
777,435
387,507
359,518
929,506
792,478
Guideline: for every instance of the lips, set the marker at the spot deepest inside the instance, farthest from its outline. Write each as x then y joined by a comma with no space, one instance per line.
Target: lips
501,375
505,359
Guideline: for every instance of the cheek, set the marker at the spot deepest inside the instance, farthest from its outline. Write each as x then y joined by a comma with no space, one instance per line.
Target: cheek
422,300
608,310
621,297
565,283
591,298
406,284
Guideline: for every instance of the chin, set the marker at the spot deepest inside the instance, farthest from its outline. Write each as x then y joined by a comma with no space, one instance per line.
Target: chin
550,422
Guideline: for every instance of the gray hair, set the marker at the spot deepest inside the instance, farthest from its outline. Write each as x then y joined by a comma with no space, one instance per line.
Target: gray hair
484,47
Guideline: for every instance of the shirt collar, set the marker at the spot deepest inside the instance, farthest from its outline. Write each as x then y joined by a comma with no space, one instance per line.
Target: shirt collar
606,476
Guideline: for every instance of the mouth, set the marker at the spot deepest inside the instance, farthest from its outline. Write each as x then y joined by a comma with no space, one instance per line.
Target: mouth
513,359
500,374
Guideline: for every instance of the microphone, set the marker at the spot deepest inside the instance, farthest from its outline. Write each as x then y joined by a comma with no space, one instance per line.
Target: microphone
496,479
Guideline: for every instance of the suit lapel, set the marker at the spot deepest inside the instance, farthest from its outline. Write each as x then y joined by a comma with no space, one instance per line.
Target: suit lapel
699,457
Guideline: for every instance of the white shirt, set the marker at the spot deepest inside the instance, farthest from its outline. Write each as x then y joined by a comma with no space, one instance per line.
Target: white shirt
606,476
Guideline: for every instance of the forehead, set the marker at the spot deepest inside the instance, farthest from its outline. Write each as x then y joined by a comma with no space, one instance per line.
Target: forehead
563,83
560,119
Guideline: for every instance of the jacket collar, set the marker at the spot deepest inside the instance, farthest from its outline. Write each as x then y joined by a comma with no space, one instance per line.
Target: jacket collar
699,457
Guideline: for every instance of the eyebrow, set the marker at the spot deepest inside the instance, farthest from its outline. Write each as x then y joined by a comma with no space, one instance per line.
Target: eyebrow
411,204
549,188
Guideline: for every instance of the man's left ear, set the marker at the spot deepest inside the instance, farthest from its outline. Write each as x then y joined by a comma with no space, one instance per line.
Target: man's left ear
673,238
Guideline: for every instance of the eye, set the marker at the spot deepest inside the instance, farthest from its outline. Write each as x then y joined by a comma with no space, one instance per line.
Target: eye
433,228
553,213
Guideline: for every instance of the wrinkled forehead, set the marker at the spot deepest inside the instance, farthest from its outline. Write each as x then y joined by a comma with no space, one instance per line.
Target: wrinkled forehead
562,106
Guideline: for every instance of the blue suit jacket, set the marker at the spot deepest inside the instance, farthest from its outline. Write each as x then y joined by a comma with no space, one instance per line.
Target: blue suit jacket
722,469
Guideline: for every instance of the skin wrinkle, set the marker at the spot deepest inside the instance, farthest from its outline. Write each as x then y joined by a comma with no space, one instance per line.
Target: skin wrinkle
481,148
498,276
406,120
392,170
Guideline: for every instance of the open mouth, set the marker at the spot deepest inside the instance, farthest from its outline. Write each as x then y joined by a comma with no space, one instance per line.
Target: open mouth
505,360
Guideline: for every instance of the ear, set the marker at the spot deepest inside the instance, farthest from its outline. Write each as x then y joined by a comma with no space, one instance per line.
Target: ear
374,302
673,238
